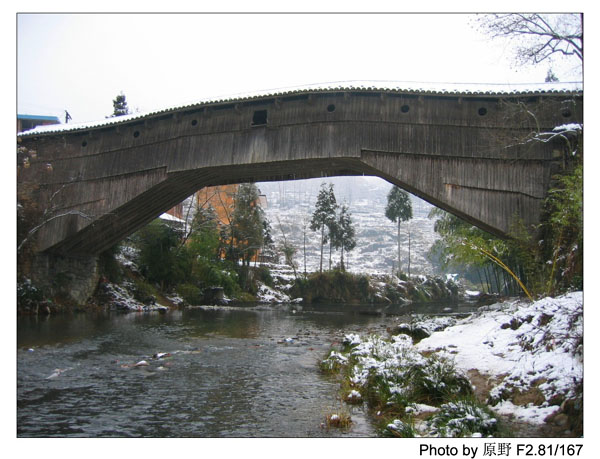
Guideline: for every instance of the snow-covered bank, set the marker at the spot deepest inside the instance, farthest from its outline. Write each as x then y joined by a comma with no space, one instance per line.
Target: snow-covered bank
122,298
534,352
523,360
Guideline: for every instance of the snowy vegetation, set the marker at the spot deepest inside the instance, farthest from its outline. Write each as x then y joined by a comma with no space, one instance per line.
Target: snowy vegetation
530,355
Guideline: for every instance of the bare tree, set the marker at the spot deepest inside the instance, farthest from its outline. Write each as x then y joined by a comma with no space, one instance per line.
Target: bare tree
288,250
33,211
539,36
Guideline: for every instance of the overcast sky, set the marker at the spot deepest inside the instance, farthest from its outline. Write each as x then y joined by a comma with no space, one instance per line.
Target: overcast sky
80,62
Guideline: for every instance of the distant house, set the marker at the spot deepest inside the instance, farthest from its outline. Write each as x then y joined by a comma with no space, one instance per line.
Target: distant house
177,211
26,122
176,223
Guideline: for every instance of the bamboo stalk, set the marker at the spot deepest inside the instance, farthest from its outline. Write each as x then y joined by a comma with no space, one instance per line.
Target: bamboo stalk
506,268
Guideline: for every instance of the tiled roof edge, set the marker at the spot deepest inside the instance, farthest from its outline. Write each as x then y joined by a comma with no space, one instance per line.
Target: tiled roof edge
426,89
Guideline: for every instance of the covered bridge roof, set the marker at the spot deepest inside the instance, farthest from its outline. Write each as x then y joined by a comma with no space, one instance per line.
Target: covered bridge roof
409,88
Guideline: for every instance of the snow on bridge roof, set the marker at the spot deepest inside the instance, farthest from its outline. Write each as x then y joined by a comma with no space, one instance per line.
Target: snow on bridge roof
447,89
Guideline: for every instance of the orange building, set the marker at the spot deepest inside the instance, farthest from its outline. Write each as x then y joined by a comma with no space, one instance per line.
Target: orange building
222,199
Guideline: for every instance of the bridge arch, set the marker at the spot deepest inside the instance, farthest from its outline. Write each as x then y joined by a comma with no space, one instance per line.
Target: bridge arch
464,152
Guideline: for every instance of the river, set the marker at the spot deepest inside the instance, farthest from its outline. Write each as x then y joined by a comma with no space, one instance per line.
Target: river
231,372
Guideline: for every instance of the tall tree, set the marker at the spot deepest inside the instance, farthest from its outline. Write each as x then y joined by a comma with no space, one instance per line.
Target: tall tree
398,209
289,250
120,107
203,241
344,234
160,259
324,215
247,223
539,37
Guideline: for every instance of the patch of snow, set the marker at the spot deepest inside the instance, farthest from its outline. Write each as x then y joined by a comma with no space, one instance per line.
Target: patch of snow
568,127
418,408
171,218
530,413
529,344
352,339
267,295
120,298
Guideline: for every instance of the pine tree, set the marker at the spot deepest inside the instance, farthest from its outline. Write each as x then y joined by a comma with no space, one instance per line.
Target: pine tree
344,235
120,107
398,209
247,223
324,215
550,76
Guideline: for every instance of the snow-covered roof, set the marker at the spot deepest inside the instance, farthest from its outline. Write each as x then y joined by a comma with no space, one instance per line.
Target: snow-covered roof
171,218
449,89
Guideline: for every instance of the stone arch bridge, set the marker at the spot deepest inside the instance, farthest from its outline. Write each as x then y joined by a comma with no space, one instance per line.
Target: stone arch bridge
470,153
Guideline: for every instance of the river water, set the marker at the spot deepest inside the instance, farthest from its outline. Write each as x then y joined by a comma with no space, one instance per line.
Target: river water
232,372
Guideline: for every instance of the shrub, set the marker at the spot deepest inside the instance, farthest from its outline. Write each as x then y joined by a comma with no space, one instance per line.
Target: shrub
144,292
462,418
391,376
339,419
437,380
215,274
29,297
190,293
353,397
245,297
333,363
161,258
335,287
263,274
399,428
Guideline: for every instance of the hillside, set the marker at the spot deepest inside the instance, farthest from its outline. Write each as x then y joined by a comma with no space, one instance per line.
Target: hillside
290,206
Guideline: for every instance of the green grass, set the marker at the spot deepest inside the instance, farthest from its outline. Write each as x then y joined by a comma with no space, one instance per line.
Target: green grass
462,418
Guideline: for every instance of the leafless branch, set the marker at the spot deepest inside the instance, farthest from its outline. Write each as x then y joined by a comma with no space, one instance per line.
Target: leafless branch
540,36
36,228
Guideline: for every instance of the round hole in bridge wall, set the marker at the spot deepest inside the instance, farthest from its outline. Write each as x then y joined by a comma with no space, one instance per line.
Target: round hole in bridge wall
566,113
194,122
482,111
331,108
136,134
84,144
404,109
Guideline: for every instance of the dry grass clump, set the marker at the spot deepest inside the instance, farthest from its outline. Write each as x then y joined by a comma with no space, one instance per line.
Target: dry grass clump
339,419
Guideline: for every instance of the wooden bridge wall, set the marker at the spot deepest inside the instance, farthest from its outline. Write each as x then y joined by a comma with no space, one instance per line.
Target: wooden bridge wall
464,154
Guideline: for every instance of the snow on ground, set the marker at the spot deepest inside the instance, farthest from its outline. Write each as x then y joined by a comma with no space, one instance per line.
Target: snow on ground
528,346
266,294
121,298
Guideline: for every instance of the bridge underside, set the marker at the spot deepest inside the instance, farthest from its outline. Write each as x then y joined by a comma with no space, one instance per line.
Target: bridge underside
104,184
452,184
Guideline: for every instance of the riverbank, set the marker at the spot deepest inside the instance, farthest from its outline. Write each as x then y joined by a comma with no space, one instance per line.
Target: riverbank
510,369
126,289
